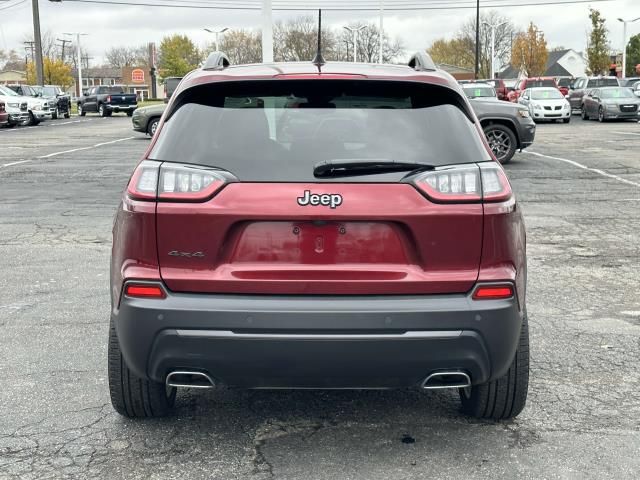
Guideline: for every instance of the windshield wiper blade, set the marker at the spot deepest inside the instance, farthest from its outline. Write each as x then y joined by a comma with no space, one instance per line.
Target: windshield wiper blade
350,167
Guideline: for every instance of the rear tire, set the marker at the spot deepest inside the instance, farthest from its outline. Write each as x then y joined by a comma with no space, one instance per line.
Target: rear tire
102,111
502,141
153,126
583,113
505,397
81,111
131,395
601,115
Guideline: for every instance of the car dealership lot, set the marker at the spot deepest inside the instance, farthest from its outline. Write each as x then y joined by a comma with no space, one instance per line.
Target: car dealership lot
579,187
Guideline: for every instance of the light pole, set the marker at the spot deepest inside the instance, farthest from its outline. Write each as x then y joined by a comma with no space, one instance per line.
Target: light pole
624,43
354,31
217,33
493,43
79,59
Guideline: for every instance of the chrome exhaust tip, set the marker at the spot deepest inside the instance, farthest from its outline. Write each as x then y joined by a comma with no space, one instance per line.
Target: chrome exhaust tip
439,380
187,379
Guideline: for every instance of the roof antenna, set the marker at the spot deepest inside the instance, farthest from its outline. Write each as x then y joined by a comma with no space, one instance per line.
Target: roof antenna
318,60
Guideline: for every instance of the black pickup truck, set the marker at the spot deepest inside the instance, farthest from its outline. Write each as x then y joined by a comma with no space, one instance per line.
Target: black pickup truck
105,100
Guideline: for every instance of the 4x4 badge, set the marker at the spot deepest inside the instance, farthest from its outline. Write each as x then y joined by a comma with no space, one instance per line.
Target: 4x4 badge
331,200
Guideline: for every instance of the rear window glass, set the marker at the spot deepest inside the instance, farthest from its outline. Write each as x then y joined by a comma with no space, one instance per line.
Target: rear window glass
477,92
546,94
278,130
602,82
110,90
564,82
540,83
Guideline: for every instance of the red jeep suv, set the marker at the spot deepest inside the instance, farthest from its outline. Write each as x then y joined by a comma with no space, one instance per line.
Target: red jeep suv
302,225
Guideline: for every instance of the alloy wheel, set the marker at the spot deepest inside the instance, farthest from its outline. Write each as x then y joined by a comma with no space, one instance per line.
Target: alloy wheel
499,142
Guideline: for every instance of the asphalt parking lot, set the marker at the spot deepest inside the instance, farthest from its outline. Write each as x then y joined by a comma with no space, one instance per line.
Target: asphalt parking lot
579,186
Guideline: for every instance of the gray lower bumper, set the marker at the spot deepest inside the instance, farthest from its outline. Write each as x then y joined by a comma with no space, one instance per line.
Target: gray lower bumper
318,342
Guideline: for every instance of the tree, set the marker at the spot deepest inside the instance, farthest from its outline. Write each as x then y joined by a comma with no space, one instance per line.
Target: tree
177,56
598,45
56,72
241,46
368,45
297,40
633,55
10,60
530,52
460,50
118,57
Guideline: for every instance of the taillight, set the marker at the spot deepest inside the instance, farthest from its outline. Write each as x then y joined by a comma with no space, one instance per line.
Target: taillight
493,292
109,99
465,183
173,182
1,107
144,291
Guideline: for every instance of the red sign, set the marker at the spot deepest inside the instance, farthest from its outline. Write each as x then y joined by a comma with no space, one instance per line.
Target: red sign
137,75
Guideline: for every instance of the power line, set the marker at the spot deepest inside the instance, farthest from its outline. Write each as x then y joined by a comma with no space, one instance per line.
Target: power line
7,7
407,6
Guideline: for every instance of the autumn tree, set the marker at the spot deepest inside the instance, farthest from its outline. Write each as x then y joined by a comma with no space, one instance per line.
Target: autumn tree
241,46
118,57
177,56
461,50
56,72
368,45
530,52
598,45
633,55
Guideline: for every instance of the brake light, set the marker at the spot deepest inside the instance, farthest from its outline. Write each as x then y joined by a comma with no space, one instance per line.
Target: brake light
465,183
175,182
109,99
144,291
493,292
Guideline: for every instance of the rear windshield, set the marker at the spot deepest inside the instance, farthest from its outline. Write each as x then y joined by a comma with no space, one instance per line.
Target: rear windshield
477,92
564,82
602,82
110,90
278,130
540,83
616,93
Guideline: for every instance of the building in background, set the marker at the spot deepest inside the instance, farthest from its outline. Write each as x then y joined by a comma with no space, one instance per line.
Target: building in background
13,77
560,63
459,73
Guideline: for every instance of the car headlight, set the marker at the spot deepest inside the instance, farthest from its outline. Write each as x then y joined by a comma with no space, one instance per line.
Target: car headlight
567,106
13,105
537,106
523,112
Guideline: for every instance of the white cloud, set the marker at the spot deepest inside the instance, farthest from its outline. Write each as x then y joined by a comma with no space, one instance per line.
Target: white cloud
127,25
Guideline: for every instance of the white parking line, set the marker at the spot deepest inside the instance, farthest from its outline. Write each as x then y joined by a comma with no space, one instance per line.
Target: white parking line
584,167
628,133
55,154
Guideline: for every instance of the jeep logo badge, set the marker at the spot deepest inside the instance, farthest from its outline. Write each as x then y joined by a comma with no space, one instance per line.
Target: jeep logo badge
328,200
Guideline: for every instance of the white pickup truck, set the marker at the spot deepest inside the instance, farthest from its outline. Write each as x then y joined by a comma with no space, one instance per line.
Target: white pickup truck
36,109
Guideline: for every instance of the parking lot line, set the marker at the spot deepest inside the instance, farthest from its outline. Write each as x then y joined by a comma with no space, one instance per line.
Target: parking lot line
628,133
584,167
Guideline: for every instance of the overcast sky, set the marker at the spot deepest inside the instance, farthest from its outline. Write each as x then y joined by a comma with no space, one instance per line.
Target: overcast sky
128,25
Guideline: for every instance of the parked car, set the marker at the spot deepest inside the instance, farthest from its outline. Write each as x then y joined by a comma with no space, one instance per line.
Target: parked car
4,116
37,109
106,100
59,101
582,85
500,87
146,119
608,103
478,89
255,245
170,85
564,84
533,82
546,104
636,89
630,82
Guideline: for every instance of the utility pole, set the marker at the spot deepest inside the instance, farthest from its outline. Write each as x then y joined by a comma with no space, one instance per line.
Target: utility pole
354,31
477,70
381,31
624,43
64,42
38,42
493,44
267,31
79,59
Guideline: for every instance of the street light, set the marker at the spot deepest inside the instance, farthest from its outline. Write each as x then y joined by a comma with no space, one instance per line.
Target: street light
493,43
624,43
217,33
354,31
79,58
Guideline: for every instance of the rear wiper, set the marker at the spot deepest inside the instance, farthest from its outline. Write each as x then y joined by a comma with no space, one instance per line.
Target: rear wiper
350,167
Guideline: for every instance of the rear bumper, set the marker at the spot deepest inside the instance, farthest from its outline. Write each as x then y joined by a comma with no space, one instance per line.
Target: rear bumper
318,341
120,108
